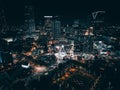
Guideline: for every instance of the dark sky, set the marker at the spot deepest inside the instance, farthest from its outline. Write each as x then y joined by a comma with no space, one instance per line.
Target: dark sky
14,9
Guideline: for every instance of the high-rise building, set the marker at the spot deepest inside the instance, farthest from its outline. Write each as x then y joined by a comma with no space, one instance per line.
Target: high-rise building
87,43
56,28
3,24
29,18
48,24
98,21
76,27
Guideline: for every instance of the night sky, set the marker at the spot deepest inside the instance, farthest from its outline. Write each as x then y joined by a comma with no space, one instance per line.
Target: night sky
81,9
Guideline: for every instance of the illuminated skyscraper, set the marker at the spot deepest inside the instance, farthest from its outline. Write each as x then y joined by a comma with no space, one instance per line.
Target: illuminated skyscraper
76,27
56,28
48,24
3,24
98,21
29,18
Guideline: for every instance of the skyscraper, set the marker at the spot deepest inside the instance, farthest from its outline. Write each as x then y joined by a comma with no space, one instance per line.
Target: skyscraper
98,21
48,24
56,28
76,26
3,24
29,18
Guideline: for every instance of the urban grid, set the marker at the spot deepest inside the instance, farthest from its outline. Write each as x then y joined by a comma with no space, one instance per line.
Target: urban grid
43,48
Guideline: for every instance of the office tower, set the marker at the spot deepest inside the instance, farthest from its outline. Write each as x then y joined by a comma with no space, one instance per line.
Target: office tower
3,24
88,43
56,28
48,24
76,27
98,21
29,18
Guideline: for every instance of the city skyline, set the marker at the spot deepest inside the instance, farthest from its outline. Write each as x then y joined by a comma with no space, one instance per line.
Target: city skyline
14,10
59,45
